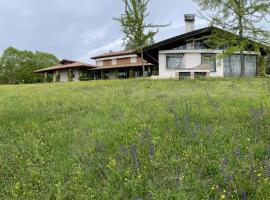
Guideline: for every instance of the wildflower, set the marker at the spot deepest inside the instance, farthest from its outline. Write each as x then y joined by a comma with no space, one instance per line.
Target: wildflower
222,196
244,195
134,155
238,152
259,175
113,162
151,151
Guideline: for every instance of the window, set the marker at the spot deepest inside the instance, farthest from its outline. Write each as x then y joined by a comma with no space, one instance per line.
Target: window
182,47
250,65
174,61
232,65
114,61
210,59
199,44
100,63
133,60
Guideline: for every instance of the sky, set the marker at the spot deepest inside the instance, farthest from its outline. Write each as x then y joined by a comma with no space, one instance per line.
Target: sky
82,28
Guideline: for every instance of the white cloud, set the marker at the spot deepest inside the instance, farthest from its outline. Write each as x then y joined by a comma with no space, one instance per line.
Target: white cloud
92,35
111,46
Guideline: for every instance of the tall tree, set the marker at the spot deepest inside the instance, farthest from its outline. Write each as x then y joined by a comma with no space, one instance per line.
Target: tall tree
137,33
18,66
241,17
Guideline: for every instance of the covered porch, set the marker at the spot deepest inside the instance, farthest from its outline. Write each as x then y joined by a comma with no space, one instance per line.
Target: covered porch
122,72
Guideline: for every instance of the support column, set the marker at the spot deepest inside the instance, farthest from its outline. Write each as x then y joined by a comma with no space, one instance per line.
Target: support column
208,75
177,75
102,76
46,77
192,75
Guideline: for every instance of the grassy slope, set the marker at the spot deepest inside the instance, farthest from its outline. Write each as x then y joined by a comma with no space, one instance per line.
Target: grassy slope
130,139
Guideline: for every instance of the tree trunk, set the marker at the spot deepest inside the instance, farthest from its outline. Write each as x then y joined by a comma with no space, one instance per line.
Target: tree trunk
143,66
242,60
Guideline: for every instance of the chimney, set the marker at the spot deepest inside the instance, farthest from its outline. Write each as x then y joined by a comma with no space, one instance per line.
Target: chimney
189,22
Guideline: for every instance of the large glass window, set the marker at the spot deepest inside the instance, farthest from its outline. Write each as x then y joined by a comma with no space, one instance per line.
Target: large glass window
232,65
250,65
174,61
211,60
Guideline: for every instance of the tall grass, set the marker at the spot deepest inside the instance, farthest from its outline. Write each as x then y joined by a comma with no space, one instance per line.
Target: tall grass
136,139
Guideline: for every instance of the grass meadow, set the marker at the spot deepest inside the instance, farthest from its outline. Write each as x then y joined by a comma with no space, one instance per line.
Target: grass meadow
136,139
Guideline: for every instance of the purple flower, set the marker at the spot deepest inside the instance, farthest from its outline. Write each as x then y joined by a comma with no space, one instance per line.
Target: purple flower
134,155
152,151
238,152
244,195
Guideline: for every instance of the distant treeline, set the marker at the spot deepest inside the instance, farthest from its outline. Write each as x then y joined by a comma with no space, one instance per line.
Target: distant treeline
18,66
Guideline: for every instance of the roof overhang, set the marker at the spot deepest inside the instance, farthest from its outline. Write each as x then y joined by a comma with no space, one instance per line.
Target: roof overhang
73,65
113,54
151,52
120,66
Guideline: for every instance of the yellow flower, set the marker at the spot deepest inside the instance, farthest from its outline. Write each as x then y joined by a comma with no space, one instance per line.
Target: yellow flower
213,188
259,174
113,162
222,196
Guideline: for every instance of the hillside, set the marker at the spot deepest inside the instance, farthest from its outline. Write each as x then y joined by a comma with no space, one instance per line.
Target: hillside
136,139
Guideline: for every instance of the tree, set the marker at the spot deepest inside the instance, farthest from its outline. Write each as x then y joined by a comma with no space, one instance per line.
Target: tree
137,33
241,17
268,64
18,66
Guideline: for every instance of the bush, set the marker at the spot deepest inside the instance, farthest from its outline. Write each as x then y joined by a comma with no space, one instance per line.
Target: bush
261,66
268,65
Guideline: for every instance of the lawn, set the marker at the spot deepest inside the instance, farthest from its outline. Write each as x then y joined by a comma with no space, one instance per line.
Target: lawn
136,139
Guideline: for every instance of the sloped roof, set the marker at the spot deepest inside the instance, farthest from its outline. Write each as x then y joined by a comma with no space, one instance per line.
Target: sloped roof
121,66
151,52
115,53
68,64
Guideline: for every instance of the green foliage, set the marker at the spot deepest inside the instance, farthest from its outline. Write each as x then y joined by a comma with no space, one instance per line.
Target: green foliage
261,66
18,66
268,64
57,77
86,76
137,33
70,75
136,139
240,17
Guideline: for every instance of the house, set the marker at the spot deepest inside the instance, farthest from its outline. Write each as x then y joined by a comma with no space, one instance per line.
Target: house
188,52
67,70
121,64
186,55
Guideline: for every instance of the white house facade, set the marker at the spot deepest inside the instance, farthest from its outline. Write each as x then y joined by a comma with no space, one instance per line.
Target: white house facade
189,51
172,61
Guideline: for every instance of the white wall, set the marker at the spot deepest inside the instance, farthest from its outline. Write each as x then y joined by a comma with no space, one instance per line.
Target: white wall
76,72
219,68
163,72
191,59
63,76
